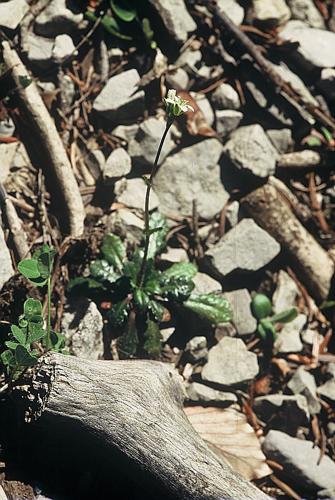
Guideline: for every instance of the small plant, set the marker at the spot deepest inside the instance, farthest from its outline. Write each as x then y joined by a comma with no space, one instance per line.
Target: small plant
138,291
30,338
262,310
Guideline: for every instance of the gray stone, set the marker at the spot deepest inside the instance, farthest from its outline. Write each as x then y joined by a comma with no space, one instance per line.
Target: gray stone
6,268
243,320
224,330
288,411
300,460
12,155
245,247
131,192
177,79
227,120
40,50
327,494
232,9
331,429
176,18
326,84
120,100
303,382
196,349
190,60
310,336
200,393
127,225
95,161
12,13
281,139
316,46
58,17
225,97
271,107
126,132
288,339
192,174
7,127
118,164
174,255
270,14
63,48
204,106
305,10
205,284
249,148
232,213
143,147
296,82
230,362
327,390
285,294
82,326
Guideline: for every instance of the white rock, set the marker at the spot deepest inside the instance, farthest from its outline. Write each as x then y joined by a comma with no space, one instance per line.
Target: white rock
296,82
118,164
271,14
326,84
57,18
7,127
143,147
190,60
227,120
40,50
225,97
205,284
6,268
288,411
306,11
281,139
243,320
174,255
204,106
303,382
12,13
232,9
177,79
285,294
196,349
288,339
131,192
232,213
63,48
203,394
175,17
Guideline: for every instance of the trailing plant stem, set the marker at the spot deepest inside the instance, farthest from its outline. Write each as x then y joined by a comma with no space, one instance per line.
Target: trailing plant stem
48,339
141,274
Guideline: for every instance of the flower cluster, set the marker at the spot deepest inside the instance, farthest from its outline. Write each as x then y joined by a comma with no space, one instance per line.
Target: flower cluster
175,105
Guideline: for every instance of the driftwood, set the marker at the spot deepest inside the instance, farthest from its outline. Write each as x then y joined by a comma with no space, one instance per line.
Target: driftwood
272,210
131,414
48,140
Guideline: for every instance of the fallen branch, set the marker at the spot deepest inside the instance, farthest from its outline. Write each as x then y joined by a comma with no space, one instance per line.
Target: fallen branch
271,210
124,417
48,140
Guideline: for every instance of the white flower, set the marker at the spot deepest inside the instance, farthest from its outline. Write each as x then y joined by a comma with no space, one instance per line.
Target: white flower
175,105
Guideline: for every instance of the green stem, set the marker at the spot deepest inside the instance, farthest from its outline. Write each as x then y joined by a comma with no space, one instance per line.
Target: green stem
141,274
48,339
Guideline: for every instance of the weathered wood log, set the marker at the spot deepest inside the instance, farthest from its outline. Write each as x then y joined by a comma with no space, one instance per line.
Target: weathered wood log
271,209
131,413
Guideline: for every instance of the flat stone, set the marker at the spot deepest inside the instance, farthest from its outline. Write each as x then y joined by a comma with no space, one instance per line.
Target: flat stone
296,82
285,294
192,174
261,97
306,11
243,320
6,268
200,393
40,50
190,60
229,363
174,255
327,390
281,139
303,382
120,100
63,48
225,97
60,16
327,494
12,13
126,132
227,120
232,213
232,9
250,149
246,247
204,106
288,339
176,18
205,284
288,411
196,349
118,164
127,225
316,46
177,79
143,147
82,326
224,330
270,14
300,460
131,192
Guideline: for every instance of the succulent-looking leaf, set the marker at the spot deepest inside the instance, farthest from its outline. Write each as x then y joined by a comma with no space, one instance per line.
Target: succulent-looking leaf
152,339
29,269
261,331
11,345
118,314
113,251
215,308
268,328
124,10
156,309
261,306
185,269
45,258
35,332
18,334
327,304
285,316
32,310
7,358
23,357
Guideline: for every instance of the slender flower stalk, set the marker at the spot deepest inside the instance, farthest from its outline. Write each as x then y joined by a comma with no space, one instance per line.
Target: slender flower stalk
175,106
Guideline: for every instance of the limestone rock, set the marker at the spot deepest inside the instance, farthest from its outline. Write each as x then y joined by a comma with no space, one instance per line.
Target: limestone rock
285,294
282,411
306,11
196,349
227,120
118,164
303,382
281,139
270,14
232,9
200,393
243,320
63,48
225,97
288,339
205,284
143,147
131,192
175,17
60,16
12,13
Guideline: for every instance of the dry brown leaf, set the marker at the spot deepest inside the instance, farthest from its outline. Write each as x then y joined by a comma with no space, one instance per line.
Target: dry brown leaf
232,438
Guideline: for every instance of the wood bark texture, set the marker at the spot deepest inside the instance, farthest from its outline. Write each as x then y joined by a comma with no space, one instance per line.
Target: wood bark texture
48,139
132,410
272,210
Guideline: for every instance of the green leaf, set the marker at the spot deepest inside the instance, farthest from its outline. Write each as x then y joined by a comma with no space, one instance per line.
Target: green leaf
18,334
113,251
45,259
82,281
8,358
261,331
269,329
102,271
185,269
29,268
261,306
285,316
128,342
141,299
57,341
124,10
25,81
118,314
23,357
178,288
327,134
156,309
312,141
35,332
158,230
215,308
152,339
327,304
148,33
32,310
11,345
23,323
